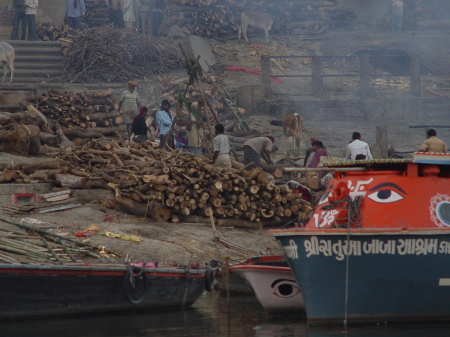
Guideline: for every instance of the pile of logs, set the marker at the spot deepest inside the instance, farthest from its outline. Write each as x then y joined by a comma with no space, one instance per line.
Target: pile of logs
79,116
164,185
97,13
48,32
214,18
159,184
107,54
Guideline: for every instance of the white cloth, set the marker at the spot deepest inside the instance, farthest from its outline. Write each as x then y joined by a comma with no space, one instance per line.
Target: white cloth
128,11
358,147
223,160
221,143
33,6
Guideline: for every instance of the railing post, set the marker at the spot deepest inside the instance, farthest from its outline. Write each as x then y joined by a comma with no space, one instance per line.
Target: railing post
415,84
364,74
317,83
265,74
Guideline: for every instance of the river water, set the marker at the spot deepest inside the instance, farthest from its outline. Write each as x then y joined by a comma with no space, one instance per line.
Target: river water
211,315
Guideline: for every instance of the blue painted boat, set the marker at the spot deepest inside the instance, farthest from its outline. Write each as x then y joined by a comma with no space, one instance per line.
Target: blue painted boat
377,247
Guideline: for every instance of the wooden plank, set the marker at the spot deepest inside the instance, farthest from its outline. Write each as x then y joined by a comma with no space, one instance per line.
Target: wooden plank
59,197
59,208
54,194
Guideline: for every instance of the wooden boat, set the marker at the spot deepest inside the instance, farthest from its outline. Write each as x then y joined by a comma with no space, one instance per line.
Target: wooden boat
377,247
34,290
272,282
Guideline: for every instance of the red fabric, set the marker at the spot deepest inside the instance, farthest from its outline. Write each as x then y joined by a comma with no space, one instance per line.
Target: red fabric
253,72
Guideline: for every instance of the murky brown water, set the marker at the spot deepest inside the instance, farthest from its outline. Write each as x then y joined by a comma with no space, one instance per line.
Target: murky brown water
210,316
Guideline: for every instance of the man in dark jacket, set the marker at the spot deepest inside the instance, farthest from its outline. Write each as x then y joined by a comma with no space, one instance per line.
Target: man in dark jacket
139,127
19,8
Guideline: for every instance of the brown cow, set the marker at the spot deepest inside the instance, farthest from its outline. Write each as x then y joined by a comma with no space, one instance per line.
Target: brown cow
292,126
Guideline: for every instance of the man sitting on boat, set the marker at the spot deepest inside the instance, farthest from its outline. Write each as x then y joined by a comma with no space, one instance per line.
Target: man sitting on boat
433,144
357,149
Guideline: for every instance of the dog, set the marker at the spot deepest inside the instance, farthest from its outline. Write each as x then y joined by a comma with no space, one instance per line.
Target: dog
7,55
257,20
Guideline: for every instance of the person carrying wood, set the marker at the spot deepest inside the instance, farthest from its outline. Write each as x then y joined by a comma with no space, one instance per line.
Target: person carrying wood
433,144
139,127
222,148
164,120
129,103
256,148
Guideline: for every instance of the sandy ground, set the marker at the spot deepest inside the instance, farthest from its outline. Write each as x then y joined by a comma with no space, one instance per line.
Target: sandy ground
165,242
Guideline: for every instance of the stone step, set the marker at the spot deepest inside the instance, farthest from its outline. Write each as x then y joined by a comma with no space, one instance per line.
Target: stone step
20,73
36,51
39,58
38,65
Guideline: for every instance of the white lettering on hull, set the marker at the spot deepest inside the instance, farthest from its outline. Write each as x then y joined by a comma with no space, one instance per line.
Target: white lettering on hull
341,248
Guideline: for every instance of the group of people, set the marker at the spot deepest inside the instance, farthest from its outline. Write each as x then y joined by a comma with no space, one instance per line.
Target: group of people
134,117
25,13
144,15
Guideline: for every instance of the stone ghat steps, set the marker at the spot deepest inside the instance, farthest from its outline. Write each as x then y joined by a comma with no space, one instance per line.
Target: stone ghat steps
36,61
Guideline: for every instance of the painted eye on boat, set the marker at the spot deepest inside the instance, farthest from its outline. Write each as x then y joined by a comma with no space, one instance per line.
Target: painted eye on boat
286,289
385,196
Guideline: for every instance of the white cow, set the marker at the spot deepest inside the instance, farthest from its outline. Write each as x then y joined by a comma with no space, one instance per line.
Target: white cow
7,55
257,20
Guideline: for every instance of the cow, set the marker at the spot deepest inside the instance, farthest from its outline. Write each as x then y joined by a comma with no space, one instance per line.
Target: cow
7,55
292,126
257,20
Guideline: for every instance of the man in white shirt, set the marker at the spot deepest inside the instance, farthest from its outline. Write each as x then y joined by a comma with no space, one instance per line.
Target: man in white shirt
30,18
357,149
221,157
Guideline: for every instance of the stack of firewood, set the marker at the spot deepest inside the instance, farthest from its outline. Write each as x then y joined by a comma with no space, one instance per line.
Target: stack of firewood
108,54
78,115
221,18
48,32
96,13
157,183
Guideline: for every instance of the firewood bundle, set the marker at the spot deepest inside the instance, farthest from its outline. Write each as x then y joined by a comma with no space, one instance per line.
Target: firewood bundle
97,13
214,18
48,32
108,54
158,184
77,116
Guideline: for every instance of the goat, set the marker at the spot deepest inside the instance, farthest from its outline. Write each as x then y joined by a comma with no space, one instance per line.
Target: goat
7,55
292,126
257,20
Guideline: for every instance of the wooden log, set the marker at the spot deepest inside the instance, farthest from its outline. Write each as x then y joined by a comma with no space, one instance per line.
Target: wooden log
158,212
70,181
275,170
16,142
157,180
48,139
108,130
